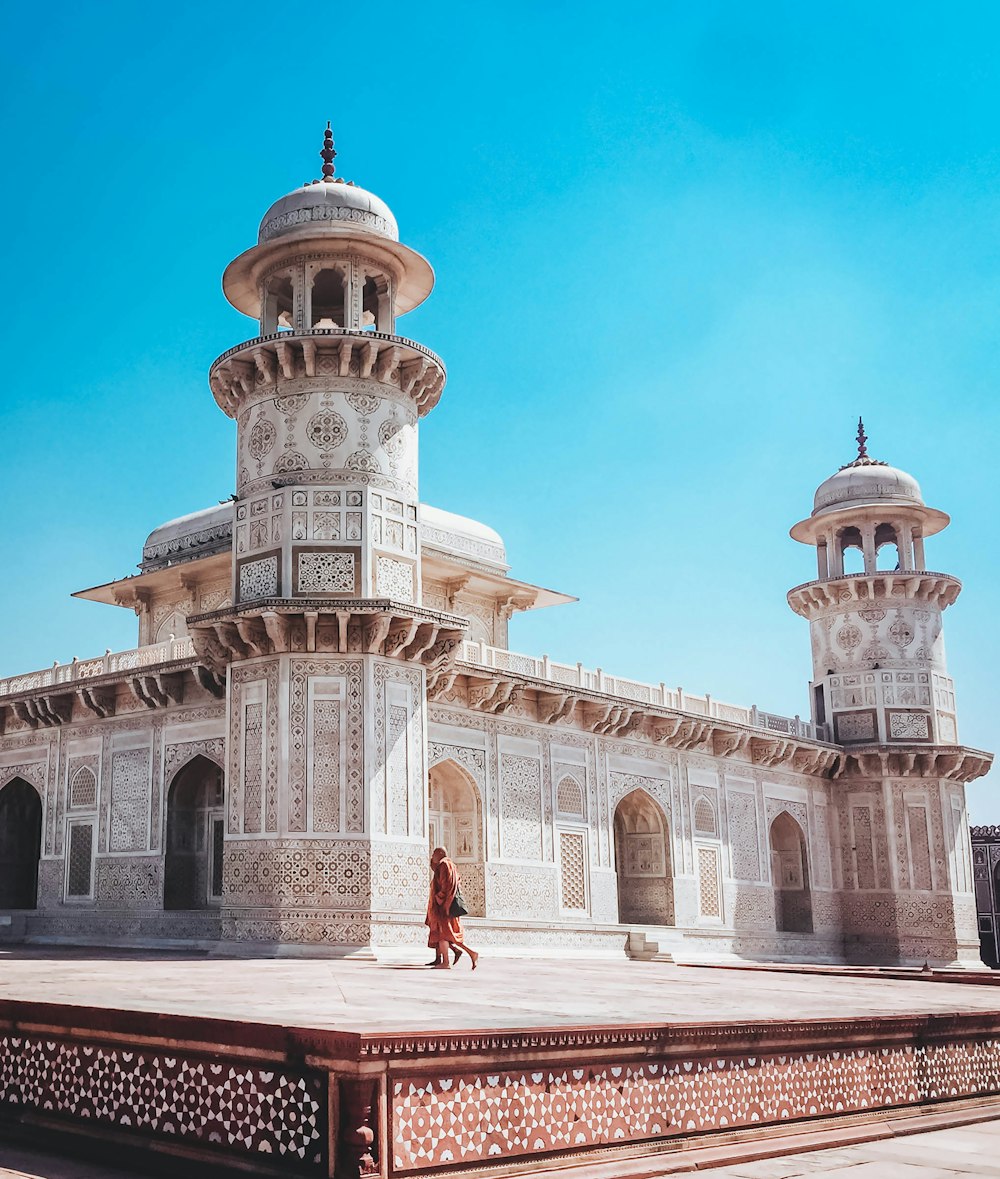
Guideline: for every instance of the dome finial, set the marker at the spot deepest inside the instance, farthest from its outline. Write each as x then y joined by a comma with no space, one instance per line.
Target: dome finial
862,440
328,154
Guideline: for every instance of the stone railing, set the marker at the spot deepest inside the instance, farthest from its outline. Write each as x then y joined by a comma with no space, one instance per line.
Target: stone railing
106,664
575,675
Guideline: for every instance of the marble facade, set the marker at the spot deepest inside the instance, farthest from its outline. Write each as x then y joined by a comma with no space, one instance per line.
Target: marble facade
323,687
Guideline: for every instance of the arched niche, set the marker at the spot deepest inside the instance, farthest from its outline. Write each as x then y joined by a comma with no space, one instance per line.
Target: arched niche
376,304
887,551
642,856
278,304
328,298
195,835
705,821
455,822
851,550
569,797
790,876
20,844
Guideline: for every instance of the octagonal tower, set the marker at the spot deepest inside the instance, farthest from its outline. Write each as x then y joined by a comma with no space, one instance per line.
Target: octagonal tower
879,672
880,682
327,649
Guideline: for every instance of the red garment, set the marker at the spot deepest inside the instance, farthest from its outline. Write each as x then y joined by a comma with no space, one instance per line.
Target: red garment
443,927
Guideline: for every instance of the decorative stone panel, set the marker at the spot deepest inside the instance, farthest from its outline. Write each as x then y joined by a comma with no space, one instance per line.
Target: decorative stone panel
709,887
851,727
521,807
908,725
326,572
573,870
259,578
315,874
237,1109
475,1119
129,800
394,579
744,837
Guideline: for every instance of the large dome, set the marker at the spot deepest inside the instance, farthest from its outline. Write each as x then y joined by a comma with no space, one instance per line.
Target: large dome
866,481
329,202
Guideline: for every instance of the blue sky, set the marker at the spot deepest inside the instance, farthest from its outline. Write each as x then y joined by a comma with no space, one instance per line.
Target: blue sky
679,248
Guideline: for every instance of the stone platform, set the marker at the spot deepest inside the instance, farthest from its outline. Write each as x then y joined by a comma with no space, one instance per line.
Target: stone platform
296,1067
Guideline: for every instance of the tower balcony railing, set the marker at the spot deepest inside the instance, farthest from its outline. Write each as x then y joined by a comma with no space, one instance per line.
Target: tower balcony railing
478,654
416,371
356,334
77,670
575,675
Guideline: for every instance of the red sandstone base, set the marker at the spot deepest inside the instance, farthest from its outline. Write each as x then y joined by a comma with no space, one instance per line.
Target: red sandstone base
354,1101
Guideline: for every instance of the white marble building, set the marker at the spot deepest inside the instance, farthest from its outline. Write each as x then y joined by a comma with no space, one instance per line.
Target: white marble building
322,687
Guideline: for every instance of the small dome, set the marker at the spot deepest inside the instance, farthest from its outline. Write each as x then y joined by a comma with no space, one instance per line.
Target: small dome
866,481
462,536
196,535
330,202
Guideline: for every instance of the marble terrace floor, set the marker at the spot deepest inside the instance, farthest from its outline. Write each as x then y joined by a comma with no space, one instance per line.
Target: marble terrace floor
362,996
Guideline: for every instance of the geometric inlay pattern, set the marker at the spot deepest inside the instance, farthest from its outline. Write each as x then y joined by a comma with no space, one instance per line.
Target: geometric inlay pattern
326,573
908,726
238,1107
395,579
472,1118
569,796
573,870
81,859
258,579
709,898
129,800
83,789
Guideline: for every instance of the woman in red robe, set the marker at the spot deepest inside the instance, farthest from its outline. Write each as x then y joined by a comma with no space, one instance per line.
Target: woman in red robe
445,932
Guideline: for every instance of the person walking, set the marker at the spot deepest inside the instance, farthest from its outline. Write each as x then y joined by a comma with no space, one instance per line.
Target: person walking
445,934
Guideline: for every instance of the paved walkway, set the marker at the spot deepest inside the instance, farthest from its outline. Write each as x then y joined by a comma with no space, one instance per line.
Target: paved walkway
963,1150
939,1154
502,993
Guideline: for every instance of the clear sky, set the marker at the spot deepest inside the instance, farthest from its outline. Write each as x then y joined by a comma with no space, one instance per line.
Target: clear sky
679,248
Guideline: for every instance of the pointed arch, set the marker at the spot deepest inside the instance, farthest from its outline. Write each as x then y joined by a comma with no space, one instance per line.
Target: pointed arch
643,861
455,822
195,836
83,789
790,875
569,796
705,820
20,843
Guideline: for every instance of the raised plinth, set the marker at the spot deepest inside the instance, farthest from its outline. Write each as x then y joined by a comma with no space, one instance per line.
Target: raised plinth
356,1069
817,597
328,352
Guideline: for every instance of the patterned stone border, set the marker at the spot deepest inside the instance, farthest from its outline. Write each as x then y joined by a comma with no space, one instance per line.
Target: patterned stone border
229,1109
483,1117
418,1103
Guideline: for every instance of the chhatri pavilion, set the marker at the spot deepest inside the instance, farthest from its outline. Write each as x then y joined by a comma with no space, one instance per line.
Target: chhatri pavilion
322,688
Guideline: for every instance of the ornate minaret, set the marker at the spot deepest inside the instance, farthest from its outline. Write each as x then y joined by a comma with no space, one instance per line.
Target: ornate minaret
879,671
327,649
881,686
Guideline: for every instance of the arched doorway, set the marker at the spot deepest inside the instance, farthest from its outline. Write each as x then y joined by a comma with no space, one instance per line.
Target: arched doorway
454,821
20,845
642,854
195,835
790,876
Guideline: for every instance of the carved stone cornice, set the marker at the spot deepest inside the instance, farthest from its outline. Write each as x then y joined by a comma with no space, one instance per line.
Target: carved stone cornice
495,691
407,366
816,598
156,686
371,626
957,763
